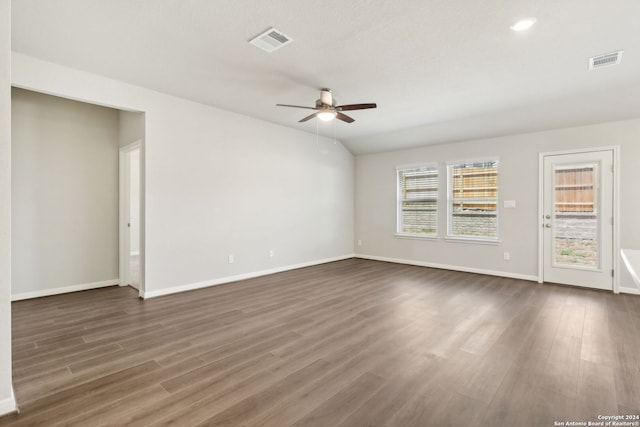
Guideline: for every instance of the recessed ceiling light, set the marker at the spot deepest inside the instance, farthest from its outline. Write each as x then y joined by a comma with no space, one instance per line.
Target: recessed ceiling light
523,24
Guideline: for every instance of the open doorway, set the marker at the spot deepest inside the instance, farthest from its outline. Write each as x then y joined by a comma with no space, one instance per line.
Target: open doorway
66,212
130,217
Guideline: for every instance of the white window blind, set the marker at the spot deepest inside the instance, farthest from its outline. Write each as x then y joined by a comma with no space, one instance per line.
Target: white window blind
473,200
418,200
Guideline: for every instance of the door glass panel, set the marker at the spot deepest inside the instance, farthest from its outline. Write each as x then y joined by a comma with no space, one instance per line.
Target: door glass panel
575,230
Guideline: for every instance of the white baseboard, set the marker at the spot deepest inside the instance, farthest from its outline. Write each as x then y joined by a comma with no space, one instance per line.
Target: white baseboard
633,291
8,405
228,279
450,267
64,290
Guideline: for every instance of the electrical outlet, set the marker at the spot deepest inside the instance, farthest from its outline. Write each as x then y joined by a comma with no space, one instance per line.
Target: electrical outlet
270,253
507,256
231,259
359,242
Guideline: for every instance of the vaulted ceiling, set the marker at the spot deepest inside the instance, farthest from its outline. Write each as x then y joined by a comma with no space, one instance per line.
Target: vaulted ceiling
440,70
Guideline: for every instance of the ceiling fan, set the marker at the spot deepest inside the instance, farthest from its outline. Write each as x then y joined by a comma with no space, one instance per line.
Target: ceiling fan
326,108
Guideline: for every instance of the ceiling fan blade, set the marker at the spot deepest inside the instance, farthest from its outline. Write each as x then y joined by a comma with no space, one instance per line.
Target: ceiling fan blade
296,106
344,117
355,107
309,117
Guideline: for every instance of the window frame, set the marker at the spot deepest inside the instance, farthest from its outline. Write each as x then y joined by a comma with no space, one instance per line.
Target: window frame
450,166
430,166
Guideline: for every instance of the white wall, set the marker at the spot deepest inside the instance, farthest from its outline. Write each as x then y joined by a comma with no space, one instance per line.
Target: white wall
376,197
64,194
219,183
7,402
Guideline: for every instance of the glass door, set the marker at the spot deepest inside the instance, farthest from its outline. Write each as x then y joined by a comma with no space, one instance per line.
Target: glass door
578,219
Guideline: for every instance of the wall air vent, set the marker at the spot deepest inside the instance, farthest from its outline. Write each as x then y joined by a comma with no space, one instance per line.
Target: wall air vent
605,60
271,40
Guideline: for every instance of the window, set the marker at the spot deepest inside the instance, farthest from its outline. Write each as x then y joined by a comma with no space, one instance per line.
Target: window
473,200
418,200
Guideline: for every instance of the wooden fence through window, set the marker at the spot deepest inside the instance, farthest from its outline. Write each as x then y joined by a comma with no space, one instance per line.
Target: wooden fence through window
575,190
475,183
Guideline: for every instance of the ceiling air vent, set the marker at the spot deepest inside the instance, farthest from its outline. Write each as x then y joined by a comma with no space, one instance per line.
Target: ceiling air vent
605,60
271,40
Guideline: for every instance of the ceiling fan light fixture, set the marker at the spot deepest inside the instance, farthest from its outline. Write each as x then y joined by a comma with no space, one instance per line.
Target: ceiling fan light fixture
326,116
326,108
523,24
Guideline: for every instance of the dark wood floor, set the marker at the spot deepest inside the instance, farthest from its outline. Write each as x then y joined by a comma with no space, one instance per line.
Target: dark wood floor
350,343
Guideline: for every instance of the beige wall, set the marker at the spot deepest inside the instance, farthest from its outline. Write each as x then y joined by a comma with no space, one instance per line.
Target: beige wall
65,194
518,154
131,127
219,183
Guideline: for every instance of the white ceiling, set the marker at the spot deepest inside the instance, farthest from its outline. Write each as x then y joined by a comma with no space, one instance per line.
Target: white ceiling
440,70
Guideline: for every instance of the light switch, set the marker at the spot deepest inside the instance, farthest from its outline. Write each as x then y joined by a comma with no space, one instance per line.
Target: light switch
509,204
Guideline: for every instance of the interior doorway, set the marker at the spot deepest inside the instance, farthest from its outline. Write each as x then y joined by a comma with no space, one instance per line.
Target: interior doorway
577,223
131,253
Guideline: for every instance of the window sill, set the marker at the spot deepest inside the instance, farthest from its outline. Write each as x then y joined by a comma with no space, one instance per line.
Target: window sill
416,236
472,240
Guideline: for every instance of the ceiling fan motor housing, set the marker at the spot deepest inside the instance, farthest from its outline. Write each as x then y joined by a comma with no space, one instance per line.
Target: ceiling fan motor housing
320,104
326,97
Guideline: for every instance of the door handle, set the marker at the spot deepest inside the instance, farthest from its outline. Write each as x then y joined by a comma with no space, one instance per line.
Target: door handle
547,225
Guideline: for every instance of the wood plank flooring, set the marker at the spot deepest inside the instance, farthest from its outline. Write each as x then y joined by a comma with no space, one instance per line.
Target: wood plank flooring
349,343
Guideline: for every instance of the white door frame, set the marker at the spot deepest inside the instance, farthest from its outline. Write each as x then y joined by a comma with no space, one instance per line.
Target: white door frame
124,208
616,208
